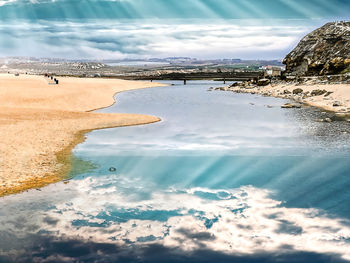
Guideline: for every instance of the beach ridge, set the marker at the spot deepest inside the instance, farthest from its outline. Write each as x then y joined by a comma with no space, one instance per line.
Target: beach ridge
40,124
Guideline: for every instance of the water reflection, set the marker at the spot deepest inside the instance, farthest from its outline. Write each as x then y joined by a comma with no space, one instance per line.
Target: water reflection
118,213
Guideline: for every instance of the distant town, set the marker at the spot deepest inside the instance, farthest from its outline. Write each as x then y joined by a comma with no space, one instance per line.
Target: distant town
151,68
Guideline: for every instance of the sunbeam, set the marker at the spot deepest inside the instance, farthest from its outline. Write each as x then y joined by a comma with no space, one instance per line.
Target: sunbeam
133,9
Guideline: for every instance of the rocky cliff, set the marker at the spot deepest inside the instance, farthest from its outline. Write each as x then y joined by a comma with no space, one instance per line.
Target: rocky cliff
324,51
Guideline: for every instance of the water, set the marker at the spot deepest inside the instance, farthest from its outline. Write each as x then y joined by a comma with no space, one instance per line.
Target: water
223,177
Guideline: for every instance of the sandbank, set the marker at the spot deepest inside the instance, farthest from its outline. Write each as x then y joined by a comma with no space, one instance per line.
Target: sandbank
40,123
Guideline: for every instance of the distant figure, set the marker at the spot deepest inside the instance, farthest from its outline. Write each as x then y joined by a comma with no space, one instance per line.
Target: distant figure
57,81
185,82
51,77
224,81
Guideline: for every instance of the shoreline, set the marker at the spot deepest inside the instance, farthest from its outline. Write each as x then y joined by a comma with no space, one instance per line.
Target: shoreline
334,98
40,124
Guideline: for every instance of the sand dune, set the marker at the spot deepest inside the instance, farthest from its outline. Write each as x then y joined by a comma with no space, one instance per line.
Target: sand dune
40,123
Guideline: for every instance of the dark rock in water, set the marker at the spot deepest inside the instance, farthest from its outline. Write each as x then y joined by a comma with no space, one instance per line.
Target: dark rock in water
324,51
325,120
263,82
340,115
297,91
220,88
290,106
112,169
318,92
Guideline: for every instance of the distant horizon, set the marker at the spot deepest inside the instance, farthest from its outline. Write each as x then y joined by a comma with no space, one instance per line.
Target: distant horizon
137,59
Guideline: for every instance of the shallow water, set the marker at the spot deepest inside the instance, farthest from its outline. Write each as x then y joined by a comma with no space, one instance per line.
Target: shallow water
224,176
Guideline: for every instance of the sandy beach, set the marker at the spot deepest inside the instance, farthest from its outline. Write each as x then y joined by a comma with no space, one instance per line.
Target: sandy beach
334,97
41,122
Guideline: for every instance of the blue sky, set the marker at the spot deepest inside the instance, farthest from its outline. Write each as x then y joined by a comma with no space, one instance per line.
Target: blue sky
102,29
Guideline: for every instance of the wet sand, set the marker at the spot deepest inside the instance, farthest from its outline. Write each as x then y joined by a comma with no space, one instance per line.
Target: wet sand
40,123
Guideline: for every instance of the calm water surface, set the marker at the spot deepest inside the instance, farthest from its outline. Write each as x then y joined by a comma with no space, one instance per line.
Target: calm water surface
223,177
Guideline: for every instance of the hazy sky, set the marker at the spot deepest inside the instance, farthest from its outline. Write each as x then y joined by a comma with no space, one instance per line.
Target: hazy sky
262,29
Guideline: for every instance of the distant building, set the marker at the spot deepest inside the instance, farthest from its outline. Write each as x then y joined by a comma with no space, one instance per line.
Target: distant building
272,71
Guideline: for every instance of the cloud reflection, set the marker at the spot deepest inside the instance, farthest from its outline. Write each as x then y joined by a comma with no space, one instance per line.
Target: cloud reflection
242,221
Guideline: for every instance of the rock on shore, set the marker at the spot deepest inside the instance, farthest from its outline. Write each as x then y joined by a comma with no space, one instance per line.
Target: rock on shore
324,51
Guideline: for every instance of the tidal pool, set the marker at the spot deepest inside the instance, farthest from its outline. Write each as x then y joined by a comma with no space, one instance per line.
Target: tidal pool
223,177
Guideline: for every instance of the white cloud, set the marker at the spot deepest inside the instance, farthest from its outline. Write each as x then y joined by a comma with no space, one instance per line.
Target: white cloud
108,39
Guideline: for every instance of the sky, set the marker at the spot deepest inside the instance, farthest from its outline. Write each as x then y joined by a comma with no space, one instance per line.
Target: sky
119,29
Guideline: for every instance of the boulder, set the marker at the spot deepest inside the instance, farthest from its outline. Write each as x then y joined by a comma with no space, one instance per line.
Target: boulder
297,91
318,92
328,93
340,115
220,88
263,82
324,120
290,106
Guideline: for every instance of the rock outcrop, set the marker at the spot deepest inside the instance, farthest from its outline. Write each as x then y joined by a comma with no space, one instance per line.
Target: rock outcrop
324,51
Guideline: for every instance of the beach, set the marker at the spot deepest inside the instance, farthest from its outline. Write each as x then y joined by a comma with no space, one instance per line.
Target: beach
40,123
330,97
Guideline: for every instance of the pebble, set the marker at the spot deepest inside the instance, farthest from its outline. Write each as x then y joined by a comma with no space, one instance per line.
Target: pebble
112,169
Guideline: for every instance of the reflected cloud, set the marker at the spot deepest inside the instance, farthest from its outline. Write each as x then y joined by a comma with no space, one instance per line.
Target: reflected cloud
243,221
